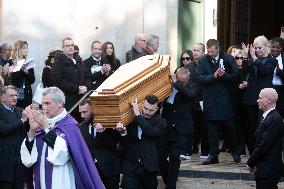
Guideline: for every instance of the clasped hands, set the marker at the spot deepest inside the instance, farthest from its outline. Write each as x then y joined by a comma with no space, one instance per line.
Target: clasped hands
219,73
36,118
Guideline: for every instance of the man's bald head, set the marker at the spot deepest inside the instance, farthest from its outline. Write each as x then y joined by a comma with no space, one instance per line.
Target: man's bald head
270,93
267,99
140,39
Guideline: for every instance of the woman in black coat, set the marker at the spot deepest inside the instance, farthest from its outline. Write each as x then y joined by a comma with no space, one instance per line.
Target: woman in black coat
108,56
46,72
23,78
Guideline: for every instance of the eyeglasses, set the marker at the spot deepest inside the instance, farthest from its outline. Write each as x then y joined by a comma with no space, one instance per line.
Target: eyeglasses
185,58
239,58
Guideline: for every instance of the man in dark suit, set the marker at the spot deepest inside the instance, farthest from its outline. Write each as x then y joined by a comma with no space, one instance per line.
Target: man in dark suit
266,159
12,133
96,65
276,47
216,72
140,162
69,74
177,112
102,144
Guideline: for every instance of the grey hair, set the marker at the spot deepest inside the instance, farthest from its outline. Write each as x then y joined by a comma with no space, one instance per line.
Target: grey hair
5,88
4,46
56,94
184,71
152,40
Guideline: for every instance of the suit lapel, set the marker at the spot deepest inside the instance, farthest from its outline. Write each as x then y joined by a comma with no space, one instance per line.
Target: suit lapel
210,67
262,123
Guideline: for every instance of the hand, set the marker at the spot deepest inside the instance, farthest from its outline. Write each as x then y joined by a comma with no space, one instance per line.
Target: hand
135,108
6,70
120,128
243,85
24,69
221,72
174,78
252,169
82,89
245,48
25,114
33,126
218,72
252,52
99,128
106,69
11,68
40,119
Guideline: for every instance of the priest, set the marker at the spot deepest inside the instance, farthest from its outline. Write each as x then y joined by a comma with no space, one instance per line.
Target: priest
54,154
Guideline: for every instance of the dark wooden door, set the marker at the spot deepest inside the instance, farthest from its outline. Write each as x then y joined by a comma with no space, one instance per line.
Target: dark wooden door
233,22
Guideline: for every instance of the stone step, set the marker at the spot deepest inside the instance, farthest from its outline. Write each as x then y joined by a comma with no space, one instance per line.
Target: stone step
225,175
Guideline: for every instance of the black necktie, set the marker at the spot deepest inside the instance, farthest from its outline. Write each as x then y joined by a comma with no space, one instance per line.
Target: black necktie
214,61
93,131
98,62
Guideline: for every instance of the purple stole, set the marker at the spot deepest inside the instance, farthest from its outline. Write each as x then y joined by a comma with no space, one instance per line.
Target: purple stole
85,172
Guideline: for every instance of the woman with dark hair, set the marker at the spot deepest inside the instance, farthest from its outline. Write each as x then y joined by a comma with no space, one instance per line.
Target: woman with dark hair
186,58
108,56
46,72
23,78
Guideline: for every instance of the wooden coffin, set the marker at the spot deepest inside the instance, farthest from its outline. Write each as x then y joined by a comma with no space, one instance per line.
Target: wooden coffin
135,80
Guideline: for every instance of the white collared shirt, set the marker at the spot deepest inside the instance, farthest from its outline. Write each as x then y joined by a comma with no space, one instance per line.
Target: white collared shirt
276,79
267,112
90,130
171,98
216,58
96,59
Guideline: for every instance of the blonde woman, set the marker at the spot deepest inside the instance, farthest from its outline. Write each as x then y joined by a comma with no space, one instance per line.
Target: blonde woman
23,78
259,69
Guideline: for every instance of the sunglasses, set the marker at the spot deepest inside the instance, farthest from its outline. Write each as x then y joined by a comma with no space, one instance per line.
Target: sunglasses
239,58
185,58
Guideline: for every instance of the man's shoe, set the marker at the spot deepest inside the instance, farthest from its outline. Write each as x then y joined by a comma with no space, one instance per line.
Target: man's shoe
236,158
211,160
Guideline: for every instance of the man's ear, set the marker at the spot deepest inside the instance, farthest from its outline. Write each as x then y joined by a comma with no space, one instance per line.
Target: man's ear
61,103
157,107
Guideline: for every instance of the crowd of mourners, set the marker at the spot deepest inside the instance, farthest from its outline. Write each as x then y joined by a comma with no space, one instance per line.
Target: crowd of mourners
215,97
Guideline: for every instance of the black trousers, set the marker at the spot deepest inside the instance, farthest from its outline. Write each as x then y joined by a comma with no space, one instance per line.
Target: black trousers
200,131
170,145
251,123
17,183
265,183
213,134
139,178
109,182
